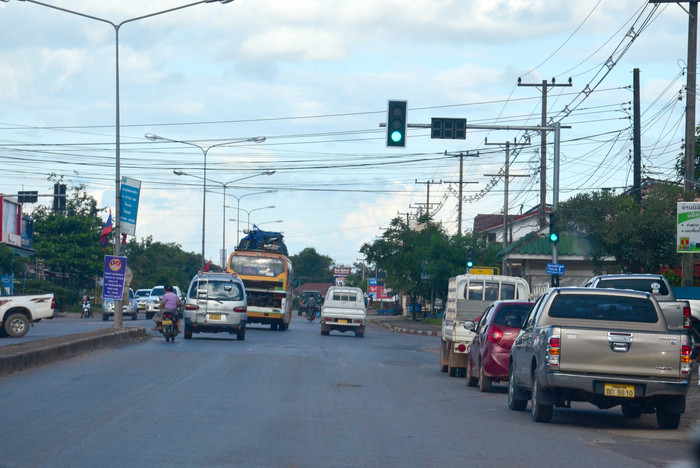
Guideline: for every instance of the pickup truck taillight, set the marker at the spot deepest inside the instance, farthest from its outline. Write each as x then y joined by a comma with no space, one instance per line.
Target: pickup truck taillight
686,361
53,302
686,317
495,335
553,350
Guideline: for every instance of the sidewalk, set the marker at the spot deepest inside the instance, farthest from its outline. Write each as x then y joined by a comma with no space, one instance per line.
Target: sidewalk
402,324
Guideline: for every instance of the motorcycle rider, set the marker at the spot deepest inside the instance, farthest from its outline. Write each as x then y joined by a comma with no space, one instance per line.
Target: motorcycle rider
86,302
310,306
169,302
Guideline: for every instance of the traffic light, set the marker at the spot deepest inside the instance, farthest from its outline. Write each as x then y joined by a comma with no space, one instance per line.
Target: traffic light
553,228
27,196
448,128
59,197
396,124
470,257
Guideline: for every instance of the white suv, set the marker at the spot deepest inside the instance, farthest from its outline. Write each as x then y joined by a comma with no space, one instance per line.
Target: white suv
216,302
153,300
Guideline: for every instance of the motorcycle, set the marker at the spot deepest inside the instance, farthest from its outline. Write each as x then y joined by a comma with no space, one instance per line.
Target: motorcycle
86,309
168,326
311,313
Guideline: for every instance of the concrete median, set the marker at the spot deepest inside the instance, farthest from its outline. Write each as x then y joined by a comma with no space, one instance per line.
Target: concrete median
16,357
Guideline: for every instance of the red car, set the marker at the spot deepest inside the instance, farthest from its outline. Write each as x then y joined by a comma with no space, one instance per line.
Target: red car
488,355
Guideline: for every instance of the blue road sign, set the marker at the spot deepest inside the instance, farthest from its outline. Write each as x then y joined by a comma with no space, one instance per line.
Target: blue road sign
555,269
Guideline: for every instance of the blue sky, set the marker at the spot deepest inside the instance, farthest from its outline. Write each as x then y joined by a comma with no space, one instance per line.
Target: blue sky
314,78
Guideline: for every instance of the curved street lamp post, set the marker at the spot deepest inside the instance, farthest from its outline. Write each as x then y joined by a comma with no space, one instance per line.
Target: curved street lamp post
118,304
204,150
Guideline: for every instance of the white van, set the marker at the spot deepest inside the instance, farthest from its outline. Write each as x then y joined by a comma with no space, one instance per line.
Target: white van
344,310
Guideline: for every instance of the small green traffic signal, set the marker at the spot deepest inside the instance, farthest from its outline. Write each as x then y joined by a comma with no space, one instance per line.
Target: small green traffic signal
396,124
470,257
553,228
553,237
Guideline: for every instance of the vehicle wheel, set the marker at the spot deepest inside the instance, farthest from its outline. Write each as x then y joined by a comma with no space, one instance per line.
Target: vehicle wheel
188,333
471,380
443,358
514,403
451,371
134,316
273,326
484,381
540,412
359,334
667,420
325,332
149,315
240,335
105,317
631,411
17,325
284,326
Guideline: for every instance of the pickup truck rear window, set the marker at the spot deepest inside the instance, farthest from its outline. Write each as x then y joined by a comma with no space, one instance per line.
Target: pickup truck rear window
603,307
649,285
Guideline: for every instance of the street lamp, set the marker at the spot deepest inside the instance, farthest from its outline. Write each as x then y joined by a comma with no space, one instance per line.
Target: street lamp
238,209
204,150
118,318
256,209
224,205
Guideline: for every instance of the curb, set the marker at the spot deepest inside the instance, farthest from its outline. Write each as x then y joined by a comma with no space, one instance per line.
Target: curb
21,356
407,331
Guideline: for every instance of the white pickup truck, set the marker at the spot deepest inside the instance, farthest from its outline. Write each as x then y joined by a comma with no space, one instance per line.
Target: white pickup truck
18,313
344,310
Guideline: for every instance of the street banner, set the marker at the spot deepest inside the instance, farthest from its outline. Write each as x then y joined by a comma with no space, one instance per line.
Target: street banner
114,276
341,271
688,227
129,207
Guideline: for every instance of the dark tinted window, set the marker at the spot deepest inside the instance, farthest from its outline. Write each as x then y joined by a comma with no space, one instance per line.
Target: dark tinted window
512,315
650,285
508,291
603,307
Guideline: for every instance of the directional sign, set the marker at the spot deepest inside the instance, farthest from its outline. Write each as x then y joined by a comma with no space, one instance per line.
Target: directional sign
555,269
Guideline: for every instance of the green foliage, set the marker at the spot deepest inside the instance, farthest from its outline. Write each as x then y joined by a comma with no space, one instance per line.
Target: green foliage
312,267
155,263
11,263
640,237
65,298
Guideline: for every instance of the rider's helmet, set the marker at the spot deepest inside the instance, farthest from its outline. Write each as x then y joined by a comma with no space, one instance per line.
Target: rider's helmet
168,288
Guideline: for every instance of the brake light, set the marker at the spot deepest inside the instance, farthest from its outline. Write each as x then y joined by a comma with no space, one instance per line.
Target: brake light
53,302
191,307
167,315
240,309
686,317
553,351
495,335
686,361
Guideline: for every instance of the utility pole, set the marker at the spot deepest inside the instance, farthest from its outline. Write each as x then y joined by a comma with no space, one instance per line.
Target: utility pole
505,196
407,215
461,183
427,200
637,137
543,87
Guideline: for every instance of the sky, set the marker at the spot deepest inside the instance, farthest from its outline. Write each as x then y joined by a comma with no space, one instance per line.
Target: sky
314,78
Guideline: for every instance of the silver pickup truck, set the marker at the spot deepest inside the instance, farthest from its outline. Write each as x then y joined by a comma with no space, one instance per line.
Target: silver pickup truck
677,312
607,347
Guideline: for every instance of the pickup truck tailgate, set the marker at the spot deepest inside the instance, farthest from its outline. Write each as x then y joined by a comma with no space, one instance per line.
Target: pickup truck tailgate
639,353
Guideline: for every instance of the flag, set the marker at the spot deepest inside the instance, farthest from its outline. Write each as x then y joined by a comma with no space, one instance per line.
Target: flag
106,231
207,266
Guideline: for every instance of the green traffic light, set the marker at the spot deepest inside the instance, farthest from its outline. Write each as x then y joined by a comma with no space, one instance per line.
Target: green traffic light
396,136
470,264
553,237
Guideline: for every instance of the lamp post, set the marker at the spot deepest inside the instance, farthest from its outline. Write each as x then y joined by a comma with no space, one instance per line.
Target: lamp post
256,209
238,209
224,205
204,150
118,318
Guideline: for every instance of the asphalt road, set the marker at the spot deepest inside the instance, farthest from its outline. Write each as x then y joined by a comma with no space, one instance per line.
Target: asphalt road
295,398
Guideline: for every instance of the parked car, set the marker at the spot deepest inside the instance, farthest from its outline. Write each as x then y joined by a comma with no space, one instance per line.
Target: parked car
488,355
304,297
153,302
129,308
216,302
140,299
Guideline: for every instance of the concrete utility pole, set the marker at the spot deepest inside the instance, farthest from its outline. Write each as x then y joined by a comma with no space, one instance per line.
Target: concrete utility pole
427,200
506,179
543,148
637,137
461,183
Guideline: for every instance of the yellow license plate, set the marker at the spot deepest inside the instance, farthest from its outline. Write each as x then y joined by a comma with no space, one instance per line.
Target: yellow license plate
167,322
342,321
214,316
619,390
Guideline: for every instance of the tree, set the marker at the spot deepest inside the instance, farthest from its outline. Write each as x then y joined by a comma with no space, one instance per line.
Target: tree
10,263
155,263
640,237
69,242
312,267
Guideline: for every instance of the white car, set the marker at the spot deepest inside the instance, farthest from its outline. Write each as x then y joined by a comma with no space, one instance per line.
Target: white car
153,300
128,309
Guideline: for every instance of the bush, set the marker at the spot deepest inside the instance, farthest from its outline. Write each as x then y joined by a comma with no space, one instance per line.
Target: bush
65,298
